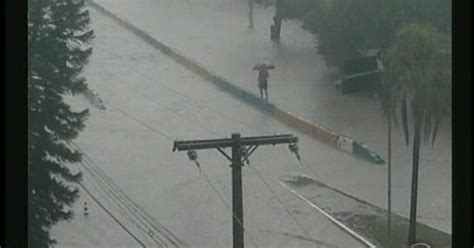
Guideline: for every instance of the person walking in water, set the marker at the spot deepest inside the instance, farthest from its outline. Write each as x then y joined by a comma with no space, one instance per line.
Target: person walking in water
263,77
263,82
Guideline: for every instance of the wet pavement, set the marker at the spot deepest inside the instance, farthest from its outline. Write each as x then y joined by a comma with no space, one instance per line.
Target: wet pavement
216,34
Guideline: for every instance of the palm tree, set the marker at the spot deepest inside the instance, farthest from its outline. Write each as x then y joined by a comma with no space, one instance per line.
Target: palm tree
419,71
385,97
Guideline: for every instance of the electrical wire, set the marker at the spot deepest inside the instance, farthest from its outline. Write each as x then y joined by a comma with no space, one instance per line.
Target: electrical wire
205,176
115,201
111,215
196,102
279,200
313,171
207,179
127,205
139,121
139,209
228,207
210,183
212,186
301,161
162,107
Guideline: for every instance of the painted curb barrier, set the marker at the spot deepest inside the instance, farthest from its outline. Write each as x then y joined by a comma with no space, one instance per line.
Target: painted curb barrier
332,138
363,151
94,98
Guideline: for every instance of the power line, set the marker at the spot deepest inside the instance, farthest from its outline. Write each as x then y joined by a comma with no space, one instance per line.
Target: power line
120,204
303,162
196,102
139,121
117,204
227,206
279,200
205,176
111,215
126,205
207,179
209,182
117,201
140,213
117,193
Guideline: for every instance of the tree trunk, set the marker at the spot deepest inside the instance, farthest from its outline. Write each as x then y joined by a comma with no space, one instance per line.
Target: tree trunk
414,181
250,14
389,181
276,28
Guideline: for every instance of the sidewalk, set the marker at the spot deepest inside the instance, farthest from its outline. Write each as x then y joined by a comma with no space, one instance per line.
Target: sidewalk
215,34
363,218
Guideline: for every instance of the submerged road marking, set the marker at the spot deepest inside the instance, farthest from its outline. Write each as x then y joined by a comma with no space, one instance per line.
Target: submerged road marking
334,220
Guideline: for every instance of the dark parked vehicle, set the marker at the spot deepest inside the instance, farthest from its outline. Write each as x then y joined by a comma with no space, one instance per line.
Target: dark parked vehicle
361,74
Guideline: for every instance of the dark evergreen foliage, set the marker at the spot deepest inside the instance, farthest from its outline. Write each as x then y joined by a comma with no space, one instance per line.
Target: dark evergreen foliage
264,3
58,48
345,28
294,9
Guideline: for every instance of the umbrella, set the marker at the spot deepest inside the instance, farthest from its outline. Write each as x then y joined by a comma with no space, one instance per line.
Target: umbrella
262,66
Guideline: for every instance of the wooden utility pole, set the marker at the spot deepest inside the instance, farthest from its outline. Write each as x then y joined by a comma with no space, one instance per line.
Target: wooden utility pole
237,205
242,148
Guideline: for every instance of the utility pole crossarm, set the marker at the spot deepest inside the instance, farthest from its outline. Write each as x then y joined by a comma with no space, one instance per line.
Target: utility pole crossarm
269,140
183,145
201,144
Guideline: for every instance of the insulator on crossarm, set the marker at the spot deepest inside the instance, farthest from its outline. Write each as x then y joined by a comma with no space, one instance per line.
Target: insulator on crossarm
245,155
294,148
192,155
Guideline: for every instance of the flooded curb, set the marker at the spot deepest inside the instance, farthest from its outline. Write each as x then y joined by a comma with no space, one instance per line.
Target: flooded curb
365,219
336,140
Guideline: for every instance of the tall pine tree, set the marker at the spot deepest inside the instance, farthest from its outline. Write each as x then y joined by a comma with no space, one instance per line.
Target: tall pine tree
59,39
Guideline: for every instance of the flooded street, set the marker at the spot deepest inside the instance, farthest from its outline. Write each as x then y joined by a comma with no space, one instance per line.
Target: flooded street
150,101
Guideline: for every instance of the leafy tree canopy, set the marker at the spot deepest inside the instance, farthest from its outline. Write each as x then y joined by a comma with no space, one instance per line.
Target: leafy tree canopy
418,75
344,28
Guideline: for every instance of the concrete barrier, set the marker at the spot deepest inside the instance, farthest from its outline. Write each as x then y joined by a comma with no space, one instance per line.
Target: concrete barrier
326,135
